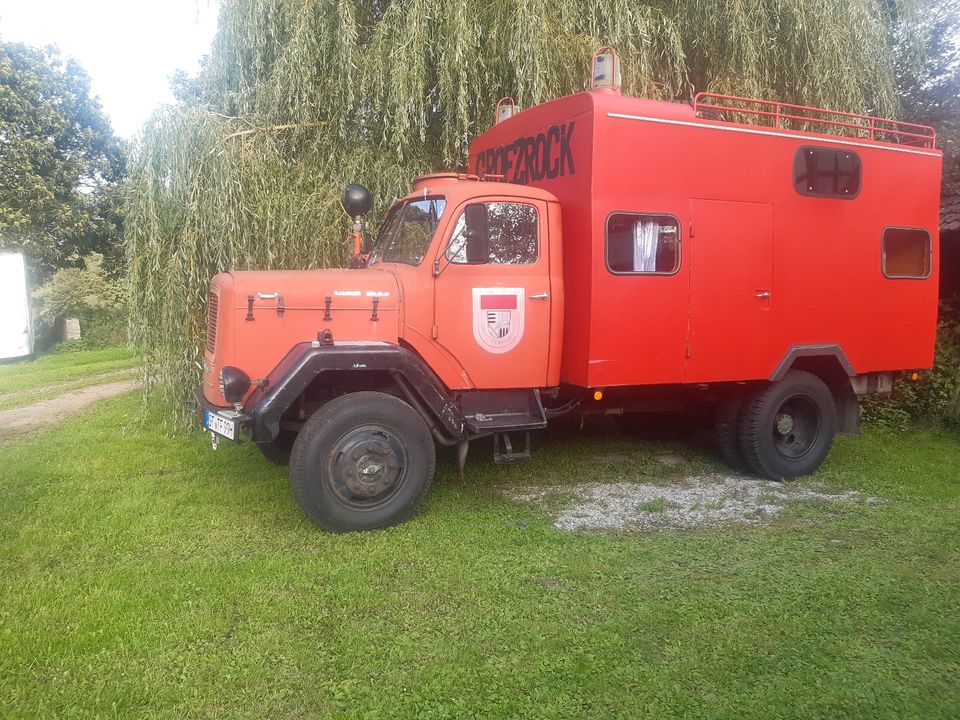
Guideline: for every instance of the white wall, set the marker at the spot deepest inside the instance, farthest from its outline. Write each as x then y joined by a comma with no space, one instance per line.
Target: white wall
16,338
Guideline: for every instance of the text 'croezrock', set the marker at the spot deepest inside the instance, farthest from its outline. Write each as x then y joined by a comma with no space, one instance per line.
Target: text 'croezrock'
532,158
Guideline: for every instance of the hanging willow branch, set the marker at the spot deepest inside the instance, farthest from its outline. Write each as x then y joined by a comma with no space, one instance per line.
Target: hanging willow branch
300,97
272,128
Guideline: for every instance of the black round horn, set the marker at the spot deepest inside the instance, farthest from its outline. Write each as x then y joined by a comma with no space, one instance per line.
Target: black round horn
357,200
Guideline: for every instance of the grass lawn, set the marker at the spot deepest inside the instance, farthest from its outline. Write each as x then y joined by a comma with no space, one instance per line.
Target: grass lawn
145,576
27,381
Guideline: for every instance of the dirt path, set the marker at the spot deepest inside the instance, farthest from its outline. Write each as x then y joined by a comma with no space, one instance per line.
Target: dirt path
70,384
46,412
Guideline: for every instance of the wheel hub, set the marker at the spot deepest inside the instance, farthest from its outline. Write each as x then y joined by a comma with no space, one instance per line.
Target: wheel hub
796,426
784,423
367,465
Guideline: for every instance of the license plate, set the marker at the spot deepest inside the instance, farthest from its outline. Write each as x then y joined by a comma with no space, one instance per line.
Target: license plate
220,425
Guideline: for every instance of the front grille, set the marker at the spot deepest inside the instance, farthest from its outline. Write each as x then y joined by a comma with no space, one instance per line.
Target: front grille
212,306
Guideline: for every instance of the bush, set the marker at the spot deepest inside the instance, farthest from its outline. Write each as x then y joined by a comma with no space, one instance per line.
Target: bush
936,395
100,302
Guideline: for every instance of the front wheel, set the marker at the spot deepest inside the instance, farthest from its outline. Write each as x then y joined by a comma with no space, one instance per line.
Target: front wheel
363,461
787,428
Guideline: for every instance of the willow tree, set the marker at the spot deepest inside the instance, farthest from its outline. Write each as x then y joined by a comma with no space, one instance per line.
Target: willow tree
299,97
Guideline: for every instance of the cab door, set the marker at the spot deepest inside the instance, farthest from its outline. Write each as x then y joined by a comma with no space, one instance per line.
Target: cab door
492,294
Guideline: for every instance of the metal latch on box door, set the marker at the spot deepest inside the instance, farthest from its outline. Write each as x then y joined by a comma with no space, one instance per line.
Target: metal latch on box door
281,308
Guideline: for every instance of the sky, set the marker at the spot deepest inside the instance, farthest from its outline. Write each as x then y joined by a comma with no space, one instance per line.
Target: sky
130,48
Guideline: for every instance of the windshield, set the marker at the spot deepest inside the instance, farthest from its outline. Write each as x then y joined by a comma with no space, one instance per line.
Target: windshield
408,230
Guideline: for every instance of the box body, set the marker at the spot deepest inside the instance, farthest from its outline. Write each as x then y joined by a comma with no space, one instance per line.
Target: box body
762,267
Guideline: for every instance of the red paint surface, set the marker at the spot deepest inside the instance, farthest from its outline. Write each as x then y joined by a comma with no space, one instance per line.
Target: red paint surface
498,302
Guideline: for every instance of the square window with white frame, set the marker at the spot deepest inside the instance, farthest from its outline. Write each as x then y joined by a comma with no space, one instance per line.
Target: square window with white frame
644,244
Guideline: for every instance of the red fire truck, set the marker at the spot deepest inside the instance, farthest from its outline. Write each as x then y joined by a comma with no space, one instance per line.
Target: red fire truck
604,255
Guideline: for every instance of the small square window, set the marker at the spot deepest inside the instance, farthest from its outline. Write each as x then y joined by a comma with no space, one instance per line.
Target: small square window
906,253
823,172
643,244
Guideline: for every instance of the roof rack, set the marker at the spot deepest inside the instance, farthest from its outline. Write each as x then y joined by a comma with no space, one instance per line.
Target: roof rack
784,116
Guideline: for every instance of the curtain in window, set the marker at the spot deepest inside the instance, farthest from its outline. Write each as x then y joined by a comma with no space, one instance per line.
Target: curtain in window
646,235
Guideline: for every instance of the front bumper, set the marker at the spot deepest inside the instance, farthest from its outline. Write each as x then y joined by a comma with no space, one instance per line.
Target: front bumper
220,421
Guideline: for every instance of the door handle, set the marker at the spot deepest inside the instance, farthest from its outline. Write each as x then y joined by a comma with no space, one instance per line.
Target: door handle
541,296
762,294
268,296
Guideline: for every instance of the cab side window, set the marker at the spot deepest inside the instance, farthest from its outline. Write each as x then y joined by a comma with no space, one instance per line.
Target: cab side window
496,232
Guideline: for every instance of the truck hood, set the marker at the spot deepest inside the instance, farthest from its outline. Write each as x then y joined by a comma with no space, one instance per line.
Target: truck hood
255,318
309,290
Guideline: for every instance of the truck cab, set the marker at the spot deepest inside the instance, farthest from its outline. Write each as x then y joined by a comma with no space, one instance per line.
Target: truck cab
464,274
479,266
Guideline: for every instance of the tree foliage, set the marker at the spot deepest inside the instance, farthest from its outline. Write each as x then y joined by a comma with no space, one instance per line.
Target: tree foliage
88,293
60,163
935,396
299,97
78,290
930,90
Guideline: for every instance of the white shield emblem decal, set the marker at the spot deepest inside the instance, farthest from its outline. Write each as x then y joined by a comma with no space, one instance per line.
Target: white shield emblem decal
498,318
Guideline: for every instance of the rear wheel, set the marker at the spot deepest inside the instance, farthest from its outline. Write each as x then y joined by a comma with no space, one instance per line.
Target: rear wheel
726,430
363,461
786,429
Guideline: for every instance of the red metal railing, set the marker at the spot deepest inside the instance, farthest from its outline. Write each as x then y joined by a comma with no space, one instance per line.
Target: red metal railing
784,116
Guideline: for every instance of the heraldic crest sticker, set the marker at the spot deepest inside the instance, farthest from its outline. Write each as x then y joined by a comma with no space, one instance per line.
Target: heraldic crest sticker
498,318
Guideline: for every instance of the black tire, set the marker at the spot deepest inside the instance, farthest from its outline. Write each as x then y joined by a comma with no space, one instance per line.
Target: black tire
278,451
787,428
726,426
363,461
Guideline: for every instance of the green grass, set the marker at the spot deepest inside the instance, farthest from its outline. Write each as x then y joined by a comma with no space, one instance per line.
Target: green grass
27,381
145,576
658,505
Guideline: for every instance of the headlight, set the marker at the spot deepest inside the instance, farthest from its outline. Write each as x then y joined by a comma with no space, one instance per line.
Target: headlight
234,383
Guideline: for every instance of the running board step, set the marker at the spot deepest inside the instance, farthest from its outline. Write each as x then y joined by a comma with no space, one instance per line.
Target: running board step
508,454
499,411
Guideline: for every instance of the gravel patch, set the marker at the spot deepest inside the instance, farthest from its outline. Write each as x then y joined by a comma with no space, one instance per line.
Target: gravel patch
689,503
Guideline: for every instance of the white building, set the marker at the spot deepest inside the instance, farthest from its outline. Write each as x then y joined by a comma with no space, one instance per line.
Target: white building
16,333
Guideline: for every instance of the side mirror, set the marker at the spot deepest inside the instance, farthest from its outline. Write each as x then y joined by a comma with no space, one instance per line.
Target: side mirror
357,200
478,233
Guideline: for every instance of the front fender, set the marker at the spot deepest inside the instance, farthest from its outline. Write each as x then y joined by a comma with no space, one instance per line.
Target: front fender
305,361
